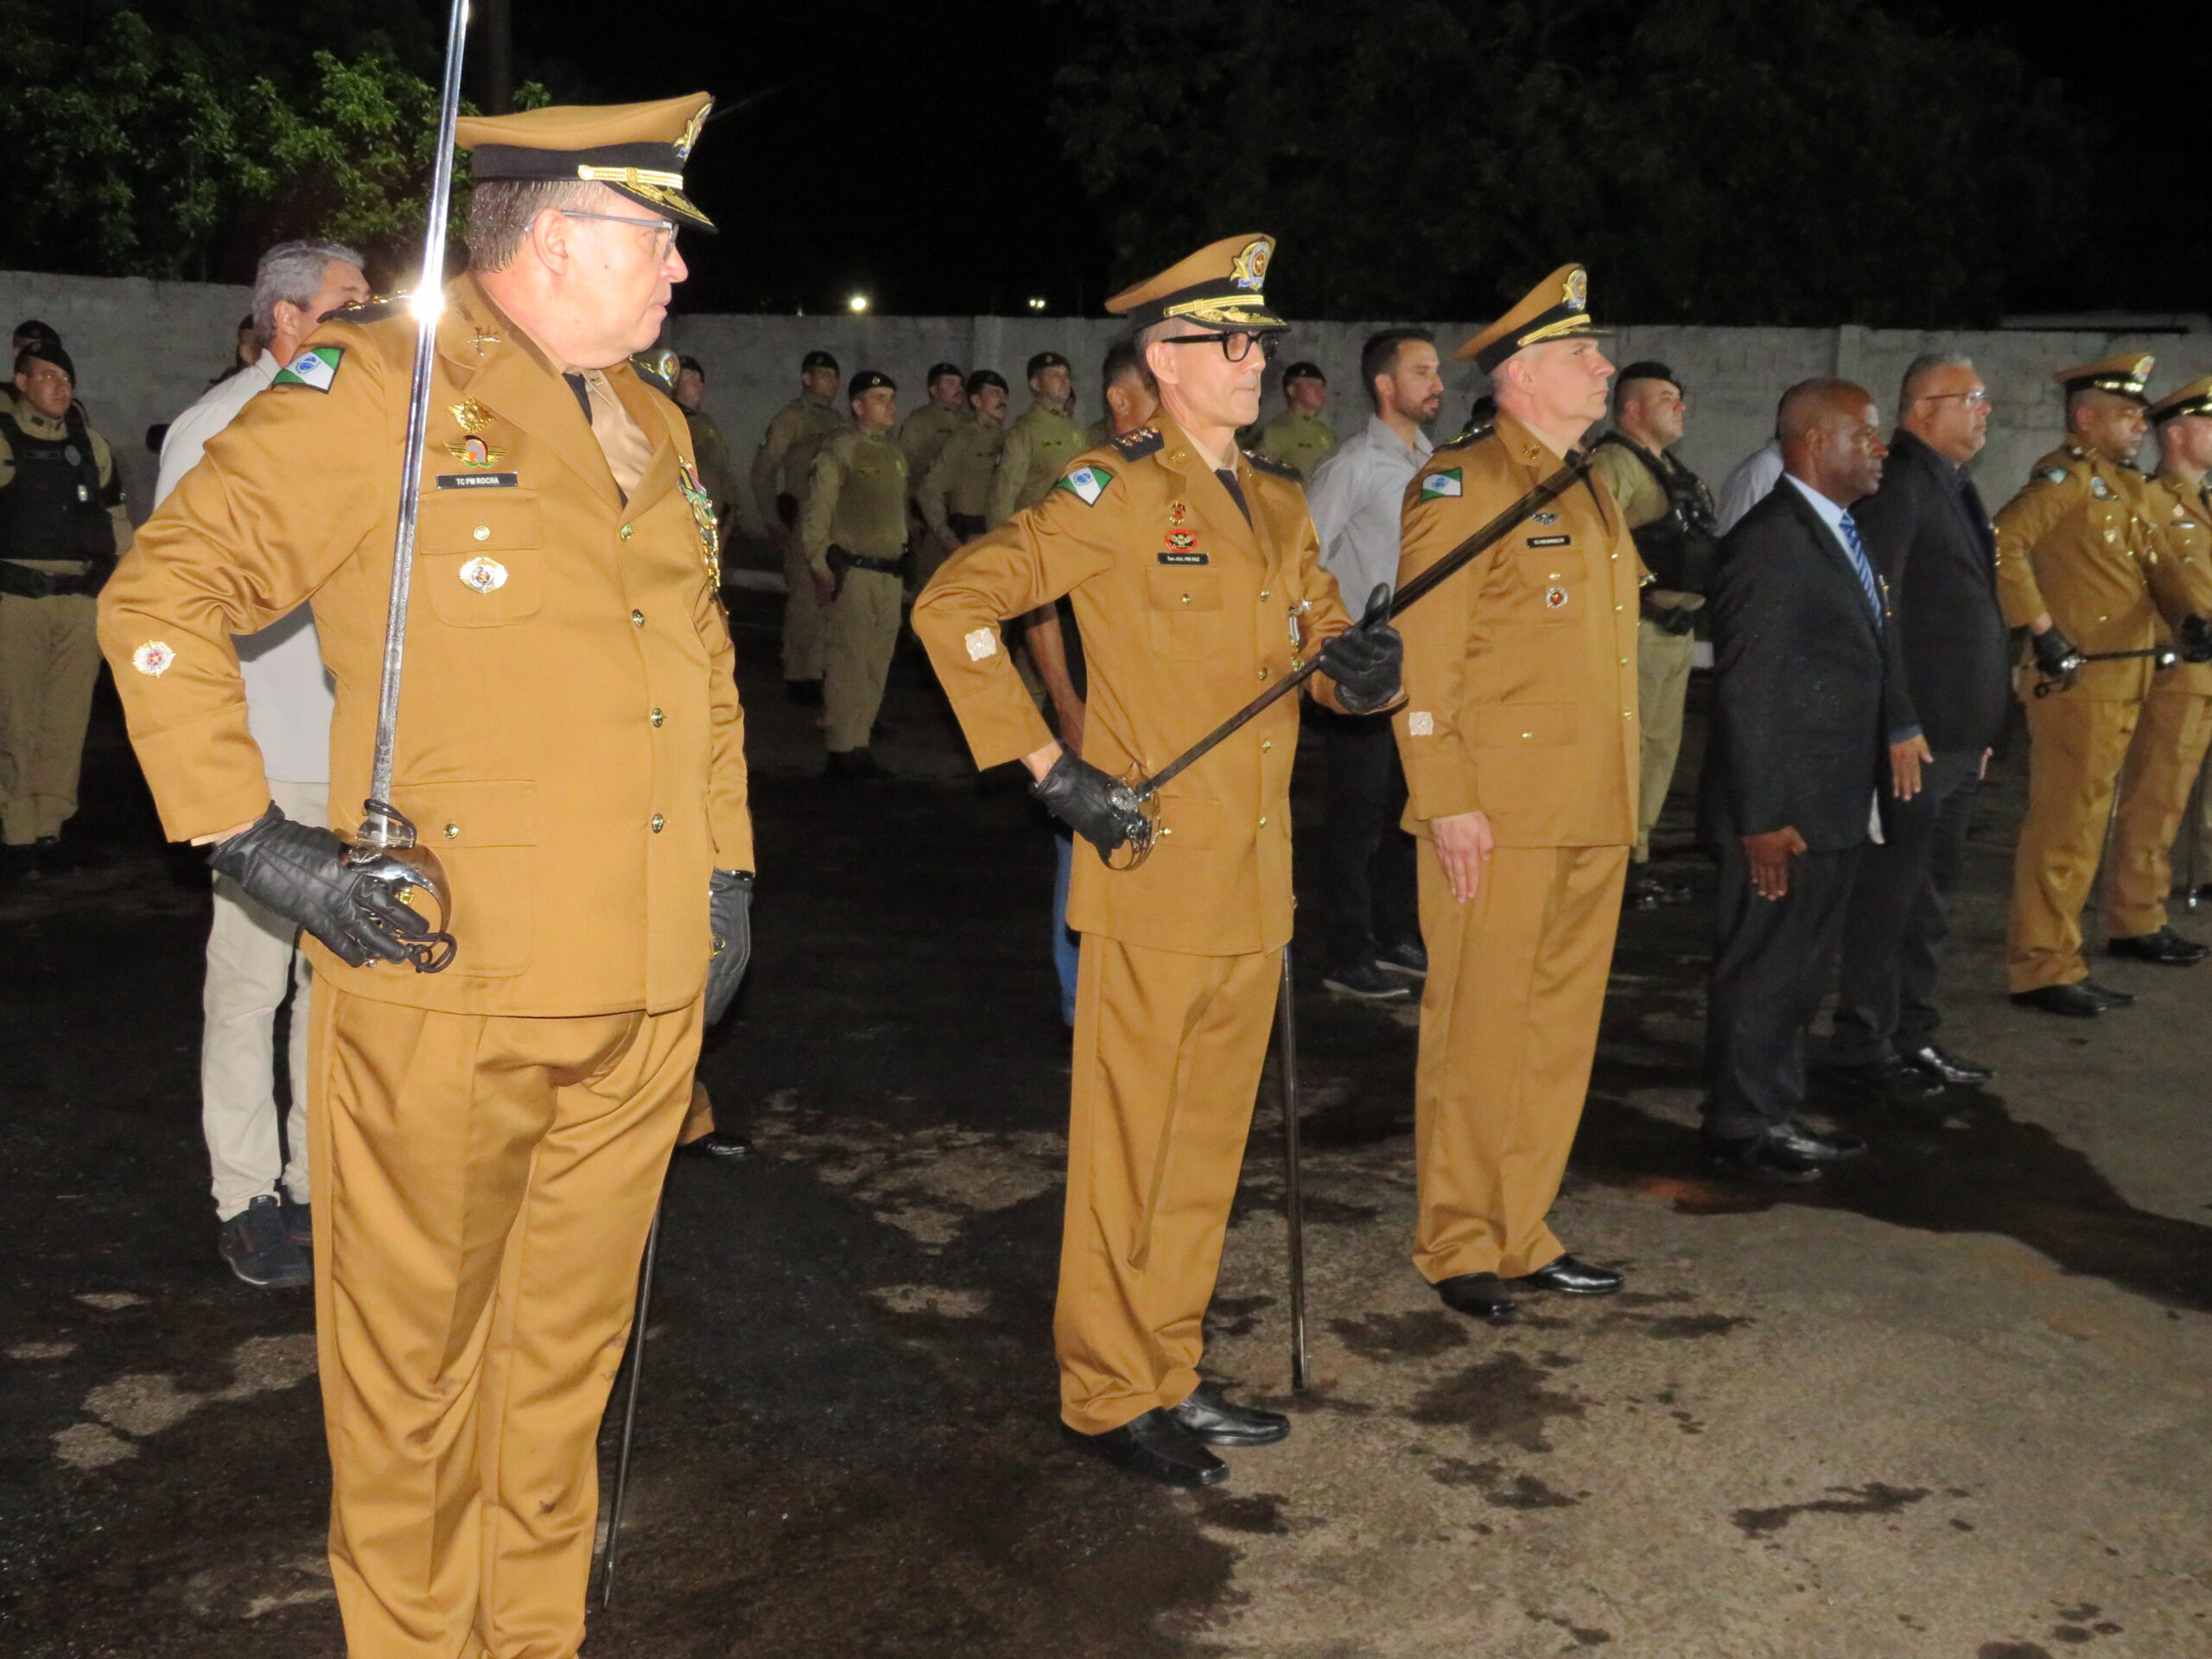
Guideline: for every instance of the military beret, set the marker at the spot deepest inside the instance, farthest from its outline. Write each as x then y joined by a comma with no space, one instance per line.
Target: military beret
869,380
1218,286
50,351
637,150
2124,375
1648,368
1556,308
982,377
32,328
814,360
939,369
2194,398
1045,360
1302,370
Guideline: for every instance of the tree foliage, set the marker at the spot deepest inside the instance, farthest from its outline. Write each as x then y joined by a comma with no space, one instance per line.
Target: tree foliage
1715,161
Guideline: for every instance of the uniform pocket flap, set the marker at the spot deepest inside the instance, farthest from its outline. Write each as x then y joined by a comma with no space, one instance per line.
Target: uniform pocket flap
1180,587
477,521
497,814
1553,563
1190,821
1520,725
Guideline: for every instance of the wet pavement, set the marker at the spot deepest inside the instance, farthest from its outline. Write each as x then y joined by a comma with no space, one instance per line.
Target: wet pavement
1951,1403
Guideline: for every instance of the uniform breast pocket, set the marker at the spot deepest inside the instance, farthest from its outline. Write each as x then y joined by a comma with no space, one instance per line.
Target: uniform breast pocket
1550,584
1183,602
481,557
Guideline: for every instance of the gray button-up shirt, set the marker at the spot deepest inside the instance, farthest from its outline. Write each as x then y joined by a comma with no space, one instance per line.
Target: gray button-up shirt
1355,496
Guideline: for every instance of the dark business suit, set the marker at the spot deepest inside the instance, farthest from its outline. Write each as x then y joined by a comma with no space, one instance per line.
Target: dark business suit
1928,533
1809,691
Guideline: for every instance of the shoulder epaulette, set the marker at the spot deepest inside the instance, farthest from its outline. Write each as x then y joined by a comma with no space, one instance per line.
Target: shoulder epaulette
1268,464
652,368
1136,446
1473,434
368,310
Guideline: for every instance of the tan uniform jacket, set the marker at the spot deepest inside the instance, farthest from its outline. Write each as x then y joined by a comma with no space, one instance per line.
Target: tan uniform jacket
1298,441
795,436
1037,451
2076,543
923,434
36,425
959,479
2181,513
1188,612
855,499
1521,670
569,739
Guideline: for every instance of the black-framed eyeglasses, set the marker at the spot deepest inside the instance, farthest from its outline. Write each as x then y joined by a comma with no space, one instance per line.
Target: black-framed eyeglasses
1237,344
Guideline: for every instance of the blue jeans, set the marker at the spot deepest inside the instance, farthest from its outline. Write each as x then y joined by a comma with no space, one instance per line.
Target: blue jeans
1066,942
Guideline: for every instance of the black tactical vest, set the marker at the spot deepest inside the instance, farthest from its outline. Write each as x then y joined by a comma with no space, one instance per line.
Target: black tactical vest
1679,546
56,507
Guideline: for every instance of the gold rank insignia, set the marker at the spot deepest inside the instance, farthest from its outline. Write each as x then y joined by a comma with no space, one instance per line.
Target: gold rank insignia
471,414
479,337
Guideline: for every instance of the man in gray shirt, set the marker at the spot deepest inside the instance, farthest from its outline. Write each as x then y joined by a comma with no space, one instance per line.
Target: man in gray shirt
1356,493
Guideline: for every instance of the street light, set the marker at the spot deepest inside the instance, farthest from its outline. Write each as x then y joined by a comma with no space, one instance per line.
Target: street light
1036,305
857,304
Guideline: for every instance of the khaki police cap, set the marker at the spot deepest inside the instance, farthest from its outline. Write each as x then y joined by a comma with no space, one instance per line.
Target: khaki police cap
636,150
2194,398
2126,374
1218,286
1556,308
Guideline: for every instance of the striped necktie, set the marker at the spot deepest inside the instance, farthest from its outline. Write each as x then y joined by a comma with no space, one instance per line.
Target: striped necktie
1864,567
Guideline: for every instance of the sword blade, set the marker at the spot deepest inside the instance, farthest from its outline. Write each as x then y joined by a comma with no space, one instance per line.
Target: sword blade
1293,1198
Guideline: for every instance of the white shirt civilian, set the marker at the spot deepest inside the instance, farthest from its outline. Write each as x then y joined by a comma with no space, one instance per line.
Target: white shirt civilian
288,695
1357,497
1755,476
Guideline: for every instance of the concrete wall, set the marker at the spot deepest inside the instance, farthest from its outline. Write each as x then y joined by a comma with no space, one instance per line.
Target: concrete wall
144,350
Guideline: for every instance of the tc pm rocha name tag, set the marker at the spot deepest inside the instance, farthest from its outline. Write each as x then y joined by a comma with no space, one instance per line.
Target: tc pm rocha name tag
479,480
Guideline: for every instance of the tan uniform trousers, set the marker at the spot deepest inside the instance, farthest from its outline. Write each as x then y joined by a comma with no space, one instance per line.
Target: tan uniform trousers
253,959
2076,745
1509,1027
1168,1051
802,616
486,1184
1662,685
2163,760
50,659
862,632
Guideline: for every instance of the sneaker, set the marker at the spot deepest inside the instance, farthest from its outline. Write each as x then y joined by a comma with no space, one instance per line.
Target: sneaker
254,1244
299,1221
1409,961
1365,982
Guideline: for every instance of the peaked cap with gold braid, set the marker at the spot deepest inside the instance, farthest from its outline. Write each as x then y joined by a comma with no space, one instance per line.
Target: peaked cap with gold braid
1556,308
636,150
2126,375
1219,287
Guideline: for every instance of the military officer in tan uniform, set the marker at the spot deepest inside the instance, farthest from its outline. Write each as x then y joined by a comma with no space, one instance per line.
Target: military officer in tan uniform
2167,752
1040,445
1298,437
852,530
1195,577
923,433
2077,565
780,469
488,1141
955,493
1520,743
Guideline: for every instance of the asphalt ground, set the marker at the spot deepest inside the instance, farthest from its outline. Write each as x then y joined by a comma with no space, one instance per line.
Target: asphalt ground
1951,1402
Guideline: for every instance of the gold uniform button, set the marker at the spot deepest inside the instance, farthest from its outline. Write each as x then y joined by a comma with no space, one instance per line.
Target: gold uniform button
627,533
452,830
482,532
1186,599
1623,662
1263,821
637,619
1264,593
1267,745
659,824
1616,607
657,717
1528,734
1263,670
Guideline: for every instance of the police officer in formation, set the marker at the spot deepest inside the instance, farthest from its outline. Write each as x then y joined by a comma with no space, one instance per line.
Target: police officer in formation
780,471
1039,445
853,532
955,493
1669,512
1298,436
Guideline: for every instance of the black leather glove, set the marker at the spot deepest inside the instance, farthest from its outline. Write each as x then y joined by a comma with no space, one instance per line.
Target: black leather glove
1676,619
729,917
2195,635
300,871
1367,660
1089,802
2055,654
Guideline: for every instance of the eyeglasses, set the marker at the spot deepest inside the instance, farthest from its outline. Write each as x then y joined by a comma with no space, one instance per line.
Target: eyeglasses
1977,399
664,230
1235,346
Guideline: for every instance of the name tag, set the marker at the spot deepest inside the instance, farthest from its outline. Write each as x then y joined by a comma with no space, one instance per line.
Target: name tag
479,480
1550,541
1185,558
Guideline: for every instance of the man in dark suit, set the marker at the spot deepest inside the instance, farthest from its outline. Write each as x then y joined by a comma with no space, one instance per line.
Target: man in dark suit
1811,716
1928,535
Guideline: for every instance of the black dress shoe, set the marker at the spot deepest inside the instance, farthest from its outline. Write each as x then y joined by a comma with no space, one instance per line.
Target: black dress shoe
1760,1159
1478,1296
718,1146
1209,1418
1573,1278
2110,995
1410,961
1643,891
1809,1145
2165,947
1893,1077
2073,1001
1948,1068
1157,1447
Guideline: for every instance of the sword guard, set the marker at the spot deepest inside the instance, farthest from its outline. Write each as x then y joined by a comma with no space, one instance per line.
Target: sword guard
386,856
1142,812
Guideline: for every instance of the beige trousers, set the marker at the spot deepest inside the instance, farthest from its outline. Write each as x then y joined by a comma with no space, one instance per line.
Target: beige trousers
49,660
485,1184
803,617
1168,1051
2076,745
253,958
1662,684
862,632
2164,758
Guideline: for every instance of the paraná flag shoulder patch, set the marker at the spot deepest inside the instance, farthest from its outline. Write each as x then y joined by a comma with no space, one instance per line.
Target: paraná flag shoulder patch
1445,481
316,366
1086,484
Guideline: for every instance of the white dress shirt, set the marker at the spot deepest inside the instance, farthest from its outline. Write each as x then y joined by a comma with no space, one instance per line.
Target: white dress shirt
1357,495
289,696
1745,488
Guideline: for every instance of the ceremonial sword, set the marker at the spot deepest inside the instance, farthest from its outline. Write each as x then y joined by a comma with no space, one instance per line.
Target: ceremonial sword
2162,658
